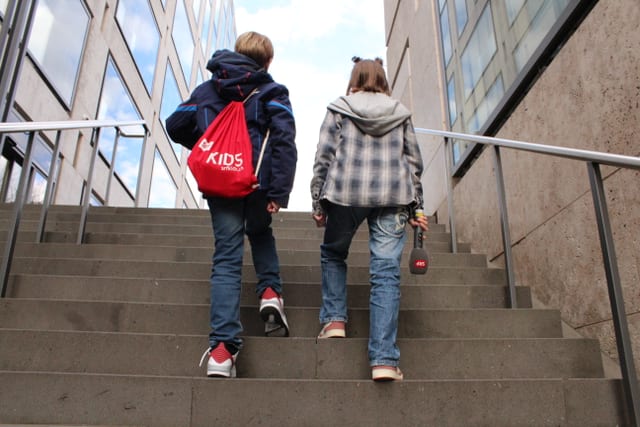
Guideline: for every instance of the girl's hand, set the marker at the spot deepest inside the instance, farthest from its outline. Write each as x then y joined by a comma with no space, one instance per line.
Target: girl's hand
420,221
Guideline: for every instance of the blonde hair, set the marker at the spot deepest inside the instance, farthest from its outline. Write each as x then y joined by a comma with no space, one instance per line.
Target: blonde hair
368,76
255,46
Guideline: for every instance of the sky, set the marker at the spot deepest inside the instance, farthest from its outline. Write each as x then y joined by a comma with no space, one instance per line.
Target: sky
314,42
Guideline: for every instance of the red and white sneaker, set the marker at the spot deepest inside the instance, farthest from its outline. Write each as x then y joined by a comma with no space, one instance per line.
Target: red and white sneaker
272,313
221,362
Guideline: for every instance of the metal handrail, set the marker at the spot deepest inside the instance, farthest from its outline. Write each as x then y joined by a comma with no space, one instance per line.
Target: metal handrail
32,128
593,160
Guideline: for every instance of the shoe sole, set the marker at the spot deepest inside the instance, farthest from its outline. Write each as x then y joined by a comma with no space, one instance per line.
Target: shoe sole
386,374
275,324
333,333
222,374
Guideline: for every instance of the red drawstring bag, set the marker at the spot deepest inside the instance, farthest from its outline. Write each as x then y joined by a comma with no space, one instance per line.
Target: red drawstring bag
222,159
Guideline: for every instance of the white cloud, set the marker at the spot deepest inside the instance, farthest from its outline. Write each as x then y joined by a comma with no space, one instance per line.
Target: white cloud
313,42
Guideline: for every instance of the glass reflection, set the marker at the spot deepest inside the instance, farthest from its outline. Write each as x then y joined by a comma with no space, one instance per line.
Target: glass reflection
137,23
542,16
163,189
170,100
183,40
446,35
478,52
116,104
57,41
461,15
206,26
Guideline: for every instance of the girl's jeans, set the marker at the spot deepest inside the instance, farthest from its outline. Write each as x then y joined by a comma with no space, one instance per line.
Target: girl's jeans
231,220
386,241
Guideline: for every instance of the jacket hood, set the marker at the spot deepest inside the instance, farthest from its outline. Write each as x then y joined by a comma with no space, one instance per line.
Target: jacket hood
235,75
373,113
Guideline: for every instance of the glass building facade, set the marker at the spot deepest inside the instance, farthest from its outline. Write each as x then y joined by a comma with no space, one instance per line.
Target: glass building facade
489,47
111,60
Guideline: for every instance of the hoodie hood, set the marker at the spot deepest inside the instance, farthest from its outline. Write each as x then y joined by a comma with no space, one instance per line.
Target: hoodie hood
235,75
373,113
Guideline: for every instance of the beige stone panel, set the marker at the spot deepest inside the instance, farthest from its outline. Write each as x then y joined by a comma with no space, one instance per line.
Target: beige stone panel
605,333
476,208
562,259
69,188
390,8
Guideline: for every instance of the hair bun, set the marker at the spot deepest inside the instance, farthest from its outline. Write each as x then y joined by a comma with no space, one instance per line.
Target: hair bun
356,59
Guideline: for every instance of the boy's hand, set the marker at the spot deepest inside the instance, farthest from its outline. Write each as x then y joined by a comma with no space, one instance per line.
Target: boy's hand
320,219
273,207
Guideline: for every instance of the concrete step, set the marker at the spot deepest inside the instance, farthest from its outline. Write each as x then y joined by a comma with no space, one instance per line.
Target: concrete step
283,230
198,254
167,217
200,241
291,273
95,399
193,319
194,291
298,358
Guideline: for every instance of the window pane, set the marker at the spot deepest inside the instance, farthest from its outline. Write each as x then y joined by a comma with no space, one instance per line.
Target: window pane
116,104
206,25
140,31
486,106
39,187
193,185
461,15
446,35
196,10
478,52
183,40
57,42
14,181
170,100
543,19
163,190
513,7
451,96
127,165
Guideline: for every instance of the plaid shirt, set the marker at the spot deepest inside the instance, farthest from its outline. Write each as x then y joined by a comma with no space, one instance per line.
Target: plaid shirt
353,168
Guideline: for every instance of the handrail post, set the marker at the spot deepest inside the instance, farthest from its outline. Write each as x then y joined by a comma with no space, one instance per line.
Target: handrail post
448,160
504,222
12,231
51,182
616,298
86,199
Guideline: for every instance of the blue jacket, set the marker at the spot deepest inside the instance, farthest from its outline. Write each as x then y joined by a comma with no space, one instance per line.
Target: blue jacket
234,76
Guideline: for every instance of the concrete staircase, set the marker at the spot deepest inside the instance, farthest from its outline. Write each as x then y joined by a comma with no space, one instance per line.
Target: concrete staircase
111,332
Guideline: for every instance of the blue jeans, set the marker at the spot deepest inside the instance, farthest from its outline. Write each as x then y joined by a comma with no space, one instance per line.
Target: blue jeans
386,240
231,220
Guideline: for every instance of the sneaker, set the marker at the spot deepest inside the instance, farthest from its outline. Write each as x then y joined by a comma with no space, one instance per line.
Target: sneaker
335,329
221,362
386,373
272,313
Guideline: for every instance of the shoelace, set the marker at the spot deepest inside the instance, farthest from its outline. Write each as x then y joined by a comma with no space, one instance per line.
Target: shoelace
204,355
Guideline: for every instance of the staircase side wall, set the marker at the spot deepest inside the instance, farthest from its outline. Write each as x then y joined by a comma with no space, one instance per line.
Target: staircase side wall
587,98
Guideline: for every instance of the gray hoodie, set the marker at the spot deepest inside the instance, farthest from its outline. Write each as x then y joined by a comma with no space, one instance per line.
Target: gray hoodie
374,113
